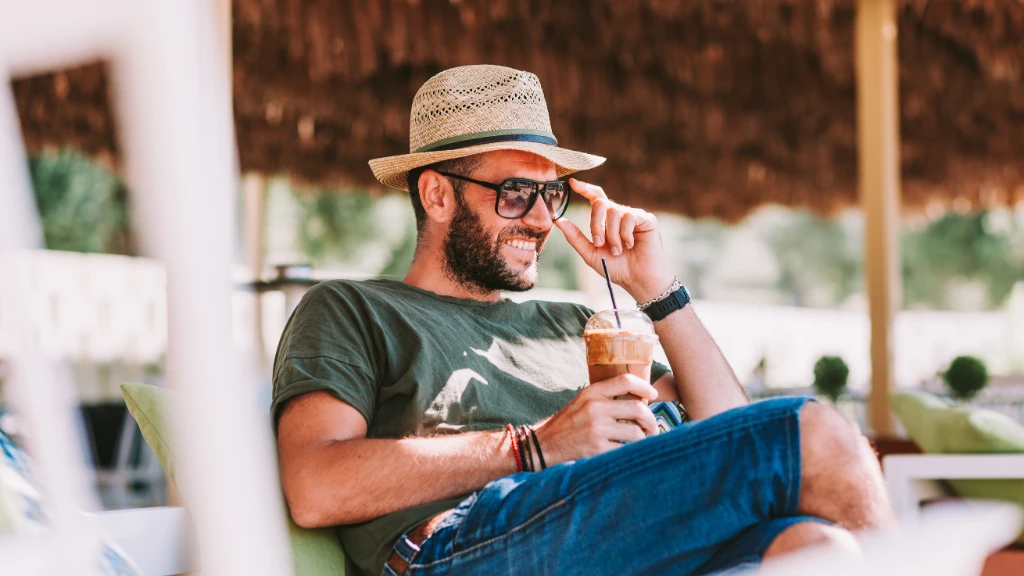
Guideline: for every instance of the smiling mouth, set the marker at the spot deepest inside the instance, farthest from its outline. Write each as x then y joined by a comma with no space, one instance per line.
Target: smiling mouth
525,245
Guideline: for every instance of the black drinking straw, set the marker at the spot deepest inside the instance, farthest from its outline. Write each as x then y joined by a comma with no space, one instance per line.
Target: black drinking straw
610,292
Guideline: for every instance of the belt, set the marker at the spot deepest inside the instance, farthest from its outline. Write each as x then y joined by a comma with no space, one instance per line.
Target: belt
409,544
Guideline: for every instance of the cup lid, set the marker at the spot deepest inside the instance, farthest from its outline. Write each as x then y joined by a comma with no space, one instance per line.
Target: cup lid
630,320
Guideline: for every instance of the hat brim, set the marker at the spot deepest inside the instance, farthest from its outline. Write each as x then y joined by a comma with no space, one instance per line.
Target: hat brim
392,170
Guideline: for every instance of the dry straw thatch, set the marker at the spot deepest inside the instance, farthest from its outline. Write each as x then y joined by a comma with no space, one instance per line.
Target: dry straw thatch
702,107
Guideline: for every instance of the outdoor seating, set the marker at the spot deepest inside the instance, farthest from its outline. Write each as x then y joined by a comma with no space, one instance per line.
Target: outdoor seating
161,540
169,550
832,188
969,453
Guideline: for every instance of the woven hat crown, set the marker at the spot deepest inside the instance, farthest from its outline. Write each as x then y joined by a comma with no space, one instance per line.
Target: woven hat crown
477,101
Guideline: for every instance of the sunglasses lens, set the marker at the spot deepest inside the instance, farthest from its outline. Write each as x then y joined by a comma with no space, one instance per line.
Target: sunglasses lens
515,198
518,196
556,196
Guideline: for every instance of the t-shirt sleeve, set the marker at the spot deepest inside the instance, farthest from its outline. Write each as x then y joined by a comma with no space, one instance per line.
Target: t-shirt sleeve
327,346
658,370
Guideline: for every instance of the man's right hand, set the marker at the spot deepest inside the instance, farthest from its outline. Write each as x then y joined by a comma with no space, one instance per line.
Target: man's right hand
595,422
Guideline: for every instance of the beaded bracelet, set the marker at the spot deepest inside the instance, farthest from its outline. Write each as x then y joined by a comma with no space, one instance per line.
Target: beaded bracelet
525,448
540,454
676,285
527,465
510,429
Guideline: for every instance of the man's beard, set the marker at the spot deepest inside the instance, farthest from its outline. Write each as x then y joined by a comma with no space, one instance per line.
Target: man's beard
474,260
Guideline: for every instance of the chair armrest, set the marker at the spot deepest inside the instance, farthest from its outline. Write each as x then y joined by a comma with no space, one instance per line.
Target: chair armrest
913,478
159,540
27,555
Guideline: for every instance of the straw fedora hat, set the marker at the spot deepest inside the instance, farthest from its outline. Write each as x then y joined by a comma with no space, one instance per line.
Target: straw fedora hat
472,109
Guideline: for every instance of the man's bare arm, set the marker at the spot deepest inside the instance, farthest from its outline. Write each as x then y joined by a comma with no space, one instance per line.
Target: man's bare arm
702,376
332,474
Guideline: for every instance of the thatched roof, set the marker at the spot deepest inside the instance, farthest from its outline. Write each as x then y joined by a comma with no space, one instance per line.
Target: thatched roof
702,107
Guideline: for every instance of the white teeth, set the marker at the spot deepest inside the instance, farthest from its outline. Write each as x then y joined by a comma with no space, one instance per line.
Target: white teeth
522,244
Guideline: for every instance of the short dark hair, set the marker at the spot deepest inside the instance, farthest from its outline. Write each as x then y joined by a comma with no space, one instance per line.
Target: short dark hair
463,166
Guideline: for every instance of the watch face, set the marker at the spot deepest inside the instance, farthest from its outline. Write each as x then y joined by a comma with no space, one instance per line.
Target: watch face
675,301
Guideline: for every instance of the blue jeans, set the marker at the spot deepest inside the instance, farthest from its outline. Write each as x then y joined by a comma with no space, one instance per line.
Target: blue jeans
707,497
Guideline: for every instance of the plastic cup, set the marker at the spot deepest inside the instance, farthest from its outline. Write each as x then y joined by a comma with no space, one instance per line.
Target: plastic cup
613,350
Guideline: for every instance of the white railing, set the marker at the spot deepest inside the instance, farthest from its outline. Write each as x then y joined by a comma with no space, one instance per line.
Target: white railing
792,339
172,89
94,308
106,316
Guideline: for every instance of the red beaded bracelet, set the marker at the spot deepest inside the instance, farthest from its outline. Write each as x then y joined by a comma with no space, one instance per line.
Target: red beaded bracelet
515,445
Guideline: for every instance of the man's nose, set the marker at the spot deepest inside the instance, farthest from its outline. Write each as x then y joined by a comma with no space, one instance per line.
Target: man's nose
539,216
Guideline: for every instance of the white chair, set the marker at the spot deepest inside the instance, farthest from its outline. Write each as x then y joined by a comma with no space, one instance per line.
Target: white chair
950,539
161,541
915,478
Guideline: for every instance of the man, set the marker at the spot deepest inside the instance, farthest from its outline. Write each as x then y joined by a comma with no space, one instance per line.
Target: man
392,398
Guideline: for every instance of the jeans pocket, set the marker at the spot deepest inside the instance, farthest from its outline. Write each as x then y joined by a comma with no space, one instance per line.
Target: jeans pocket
462,511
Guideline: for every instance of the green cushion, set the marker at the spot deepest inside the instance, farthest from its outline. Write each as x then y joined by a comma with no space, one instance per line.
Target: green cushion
314,552
150,406
942,427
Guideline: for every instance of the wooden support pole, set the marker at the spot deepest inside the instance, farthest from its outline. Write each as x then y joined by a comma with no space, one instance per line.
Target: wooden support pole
253,197
878,153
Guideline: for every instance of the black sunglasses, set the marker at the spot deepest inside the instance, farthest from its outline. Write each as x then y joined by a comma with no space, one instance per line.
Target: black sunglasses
516,196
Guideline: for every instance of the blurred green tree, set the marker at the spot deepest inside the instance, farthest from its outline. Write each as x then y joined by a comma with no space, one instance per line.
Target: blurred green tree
82,205
818,255
333,227
814,253
558,264
960,247
401,256
695,246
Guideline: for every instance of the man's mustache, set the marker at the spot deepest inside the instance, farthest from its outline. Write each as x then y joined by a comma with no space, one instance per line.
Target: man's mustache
522,232
525,233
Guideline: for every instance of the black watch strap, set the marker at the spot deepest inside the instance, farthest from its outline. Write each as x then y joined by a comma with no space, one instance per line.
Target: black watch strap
669,304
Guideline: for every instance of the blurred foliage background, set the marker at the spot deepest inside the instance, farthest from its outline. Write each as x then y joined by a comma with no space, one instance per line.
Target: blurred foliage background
951,260
82,205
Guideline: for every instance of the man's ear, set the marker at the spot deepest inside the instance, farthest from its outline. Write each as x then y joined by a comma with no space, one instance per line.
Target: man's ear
437,196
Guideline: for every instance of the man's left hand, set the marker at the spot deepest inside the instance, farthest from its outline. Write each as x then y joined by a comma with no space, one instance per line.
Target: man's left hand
627,238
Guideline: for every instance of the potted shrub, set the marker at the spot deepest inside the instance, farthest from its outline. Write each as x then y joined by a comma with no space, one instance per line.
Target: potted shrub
830,376
965,377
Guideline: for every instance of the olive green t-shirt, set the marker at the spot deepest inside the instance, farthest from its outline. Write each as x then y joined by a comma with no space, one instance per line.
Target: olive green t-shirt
417,363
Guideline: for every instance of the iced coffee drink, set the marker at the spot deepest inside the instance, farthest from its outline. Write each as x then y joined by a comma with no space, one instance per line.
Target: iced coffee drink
619,344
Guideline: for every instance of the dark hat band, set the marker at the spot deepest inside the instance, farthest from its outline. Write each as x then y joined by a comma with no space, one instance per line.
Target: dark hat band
490,137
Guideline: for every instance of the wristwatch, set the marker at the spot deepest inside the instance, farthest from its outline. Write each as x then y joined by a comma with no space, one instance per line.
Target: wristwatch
667,305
